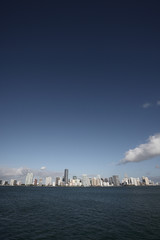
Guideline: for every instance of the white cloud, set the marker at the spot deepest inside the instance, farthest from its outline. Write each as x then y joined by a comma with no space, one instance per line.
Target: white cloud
144,151
146,105
43,168
158,103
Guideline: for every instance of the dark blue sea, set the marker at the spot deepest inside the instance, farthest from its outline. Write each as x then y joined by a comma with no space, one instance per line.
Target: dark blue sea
45,213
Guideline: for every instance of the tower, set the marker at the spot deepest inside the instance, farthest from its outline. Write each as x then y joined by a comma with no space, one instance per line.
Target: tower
66,176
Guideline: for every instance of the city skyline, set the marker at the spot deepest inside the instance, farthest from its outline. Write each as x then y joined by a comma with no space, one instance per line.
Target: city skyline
48,178
83,181
80,88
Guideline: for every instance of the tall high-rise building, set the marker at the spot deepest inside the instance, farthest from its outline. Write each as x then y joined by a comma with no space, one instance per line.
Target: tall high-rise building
29,179
66,176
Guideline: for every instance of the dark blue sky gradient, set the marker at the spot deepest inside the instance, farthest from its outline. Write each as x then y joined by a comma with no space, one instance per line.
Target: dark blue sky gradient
74,76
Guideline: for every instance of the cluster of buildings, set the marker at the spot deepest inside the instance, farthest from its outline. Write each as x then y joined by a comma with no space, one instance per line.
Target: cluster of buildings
137,182
84,181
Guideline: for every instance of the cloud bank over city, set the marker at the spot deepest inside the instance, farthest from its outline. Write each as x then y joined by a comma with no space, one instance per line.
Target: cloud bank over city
9,172
143,152
20,173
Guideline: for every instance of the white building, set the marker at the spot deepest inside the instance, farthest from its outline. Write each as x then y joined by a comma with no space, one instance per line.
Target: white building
145,180
131,181
85,181
125,181
13,182
48,181
29,179
106,184
75,182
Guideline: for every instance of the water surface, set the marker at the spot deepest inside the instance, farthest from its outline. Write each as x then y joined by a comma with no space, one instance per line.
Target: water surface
43,213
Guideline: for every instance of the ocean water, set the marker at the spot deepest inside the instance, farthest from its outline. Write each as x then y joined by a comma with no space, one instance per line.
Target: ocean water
45,213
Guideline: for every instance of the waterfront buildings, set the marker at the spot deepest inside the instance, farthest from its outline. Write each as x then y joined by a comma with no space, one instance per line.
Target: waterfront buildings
75,182
84,181
130,181
96,181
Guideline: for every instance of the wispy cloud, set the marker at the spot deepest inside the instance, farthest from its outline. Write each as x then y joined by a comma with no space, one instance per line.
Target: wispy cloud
158,103
144,151
146,105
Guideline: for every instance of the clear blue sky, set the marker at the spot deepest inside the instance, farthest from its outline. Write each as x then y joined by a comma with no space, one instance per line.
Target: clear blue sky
73,83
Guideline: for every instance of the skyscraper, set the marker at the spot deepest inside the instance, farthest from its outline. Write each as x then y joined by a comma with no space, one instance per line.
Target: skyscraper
66,176
29,179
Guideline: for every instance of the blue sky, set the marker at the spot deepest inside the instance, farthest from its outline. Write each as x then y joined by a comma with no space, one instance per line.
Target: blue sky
80,86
